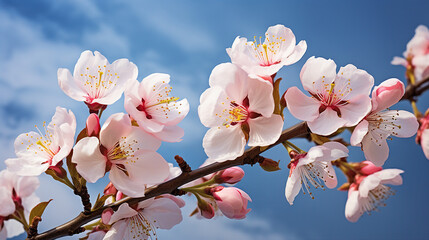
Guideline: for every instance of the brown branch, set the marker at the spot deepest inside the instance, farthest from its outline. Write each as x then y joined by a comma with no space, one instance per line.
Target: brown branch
415,90
250,156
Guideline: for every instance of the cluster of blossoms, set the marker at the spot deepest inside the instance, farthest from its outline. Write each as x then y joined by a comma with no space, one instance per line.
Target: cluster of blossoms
242,107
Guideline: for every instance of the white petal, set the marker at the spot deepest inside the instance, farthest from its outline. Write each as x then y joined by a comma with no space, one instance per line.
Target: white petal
353,82
386,94
355,110
26,186
399,61
69,86
336,150
164,212
125,184
124,211
390,176
297,54
147,167
353,211
316,72
369,183
224,143
359,133
91,163
117,231
375,147
330,177
265,131
293,186
141,140
7,204
327,123
300,106
98,235
406,122
232,79
25,166
116,126
170,134
213,107
259,94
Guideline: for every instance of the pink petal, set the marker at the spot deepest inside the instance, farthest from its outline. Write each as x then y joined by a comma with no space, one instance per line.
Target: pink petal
390,176
98,235
116,126
224,143
259,94
147,167
369,183
91,163
300,106
281,32
296,55
125,184
327,123
330,177
69,86
425,142
25,166
353,211
265,131
213,103
336,150
399,61
316,72
124,211
359,133
170,134
232,79
407,123
152,85
25,186
293,186
141,140
7,204
375,147
355,110
118,231
386,94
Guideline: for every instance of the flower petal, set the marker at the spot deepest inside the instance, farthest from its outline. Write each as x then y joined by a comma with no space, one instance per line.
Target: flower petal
316,72
327,123
69,86
386,94
353,211
300,106
297,53
124,211
375,147
213,106
116,126
293,186
147,167
164,212
224,143
425,142
390,176
91,163
355,110
226,75
329,176
25,166
353,82
118,231
407,124
125,184
359,133
170,134
7,204
26,186
259,94
265,131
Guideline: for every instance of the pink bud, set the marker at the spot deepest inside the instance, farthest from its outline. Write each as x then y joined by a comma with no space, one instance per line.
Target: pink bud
230,175
386,94
119,195
106,215
232,202
369,168
110,189
93,125
206,209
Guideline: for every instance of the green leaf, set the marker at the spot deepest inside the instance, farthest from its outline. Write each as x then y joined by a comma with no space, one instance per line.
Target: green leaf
38,210
100,201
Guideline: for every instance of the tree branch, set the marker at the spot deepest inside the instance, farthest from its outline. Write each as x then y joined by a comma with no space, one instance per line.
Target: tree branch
412,91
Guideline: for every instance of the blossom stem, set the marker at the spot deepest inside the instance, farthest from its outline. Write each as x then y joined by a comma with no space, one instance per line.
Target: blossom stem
200,186
412,80
288,145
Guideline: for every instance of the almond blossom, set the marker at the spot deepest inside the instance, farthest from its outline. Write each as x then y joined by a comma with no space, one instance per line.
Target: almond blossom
36,152
314,168
126,151
367,193
142,221
232,202
372,132
266,58
16,194
150,104
337,100
237,108
416,56
95,81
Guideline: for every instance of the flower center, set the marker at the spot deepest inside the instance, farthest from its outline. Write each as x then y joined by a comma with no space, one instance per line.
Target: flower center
43,142
383,124
313,174
162,104
376,198
141,228
266,54
96,85
330,97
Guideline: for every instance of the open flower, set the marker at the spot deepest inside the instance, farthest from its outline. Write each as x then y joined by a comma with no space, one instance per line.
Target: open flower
314,168
36,152
95,81
235,105
142,221
416,56
266,59
16,195
372,132
337,100
127,151
150,104
370,192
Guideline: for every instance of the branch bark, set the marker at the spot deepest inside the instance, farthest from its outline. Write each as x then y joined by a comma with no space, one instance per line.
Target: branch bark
250,156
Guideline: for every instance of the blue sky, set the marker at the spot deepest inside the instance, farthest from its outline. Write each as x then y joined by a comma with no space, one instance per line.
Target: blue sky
187,39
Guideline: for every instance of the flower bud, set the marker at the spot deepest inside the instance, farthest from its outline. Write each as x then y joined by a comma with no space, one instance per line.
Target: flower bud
368,168
110,189
93,125
106,215
206,209
232,202
230,175
269,165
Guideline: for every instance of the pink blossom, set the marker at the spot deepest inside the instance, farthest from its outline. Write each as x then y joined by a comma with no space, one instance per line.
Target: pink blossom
36,152
16,192
127,151
232,202
93,125
372,132
151,105
314,168
236,101
416,56
369,168
95,81
266,59
337,100
370,192
142,221
230,175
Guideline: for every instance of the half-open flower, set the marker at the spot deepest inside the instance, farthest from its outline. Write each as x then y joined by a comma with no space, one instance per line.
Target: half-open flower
126,151
95,81
370,192
36,152
142,221
372,132
232,202
314,168
266,58
337,100
151,105
237,108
